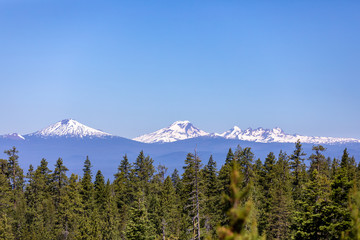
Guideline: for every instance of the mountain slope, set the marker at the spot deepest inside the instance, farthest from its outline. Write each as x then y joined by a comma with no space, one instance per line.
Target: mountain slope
179,130
69,128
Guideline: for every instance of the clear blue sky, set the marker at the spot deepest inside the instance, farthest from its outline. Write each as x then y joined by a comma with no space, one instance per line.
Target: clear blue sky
132,67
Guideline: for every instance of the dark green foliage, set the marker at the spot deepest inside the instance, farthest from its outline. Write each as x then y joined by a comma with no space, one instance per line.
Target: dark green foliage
191,195
340,197
211,193
298,170
15,174
139,226
99,187
245,159
312,220
144,170
170,212
86,182
280,201
318,161
175,178
287,199
266,178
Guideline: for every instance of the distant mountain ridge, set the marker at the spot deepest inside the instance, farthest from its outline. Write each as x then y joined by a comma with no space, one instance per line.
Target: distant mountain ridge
179,130
73,141
182,130
278,135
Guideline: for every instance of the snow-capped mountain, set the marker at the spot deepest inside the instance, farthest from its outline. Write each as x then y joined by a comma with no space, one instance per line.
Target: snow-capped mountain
182,130
179,130
13,136
278,135
69,128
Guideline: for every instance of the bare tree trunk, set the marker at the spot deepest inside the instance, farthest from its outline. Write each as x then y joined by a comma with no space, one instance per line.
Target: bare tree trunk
163,229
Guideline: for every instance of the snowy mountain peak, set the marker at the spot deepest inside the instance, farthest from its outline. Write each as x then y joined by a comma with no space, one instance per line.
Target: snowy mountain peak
236,129
185,122
179,130
69,128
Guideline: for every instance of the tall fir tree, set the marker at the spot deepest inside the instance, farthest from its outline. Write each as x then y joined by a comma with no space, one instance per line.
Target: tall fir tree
144,171
211,192
191,195
266,177
341,187
280,201
139,226
124,190
312,218
298,169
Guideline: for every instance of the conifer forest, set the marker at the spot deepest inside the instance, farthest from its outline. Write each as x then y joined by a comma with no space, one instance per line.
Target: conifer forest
284,196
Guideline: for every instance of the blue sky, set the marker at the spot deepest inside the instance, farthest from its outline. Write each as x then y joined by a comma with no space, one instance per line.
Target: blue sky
132,67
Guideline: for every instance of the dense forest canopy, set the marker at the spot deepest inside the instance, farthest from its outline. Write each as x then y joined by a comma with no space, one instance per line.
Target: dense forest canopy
279,197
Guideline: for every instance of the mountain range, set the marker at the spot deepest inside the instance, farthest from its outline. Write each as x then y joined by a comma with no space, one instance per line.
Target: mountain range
180,130
168,146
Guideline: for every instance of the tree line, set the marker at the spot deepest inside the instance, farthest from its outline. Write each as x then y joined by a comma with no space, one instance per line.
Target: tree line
279,197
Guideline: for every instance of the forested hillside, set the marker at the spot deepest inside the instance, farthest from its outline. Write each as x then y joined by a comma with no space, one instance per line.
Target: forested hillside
279,197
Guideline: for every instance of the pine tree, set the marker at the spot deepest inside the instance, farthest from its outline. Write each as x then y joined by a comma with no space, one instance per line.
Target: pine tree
280,201
139,226
298,170
245,159
144,171
124,187
211,197
5,202
170,213
175,178
87,186
191,194
229,157
5,187
74,210
99,189
59,180
313,219
16,179
318,161
40,212
89,229
224,184
340,198
15,174
153,199
110,216
266,177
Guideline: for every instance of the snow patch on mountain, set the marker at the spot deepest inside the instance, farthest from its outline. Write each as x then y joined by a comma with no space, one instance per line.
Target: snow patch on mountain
179,130
69,128
278,135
